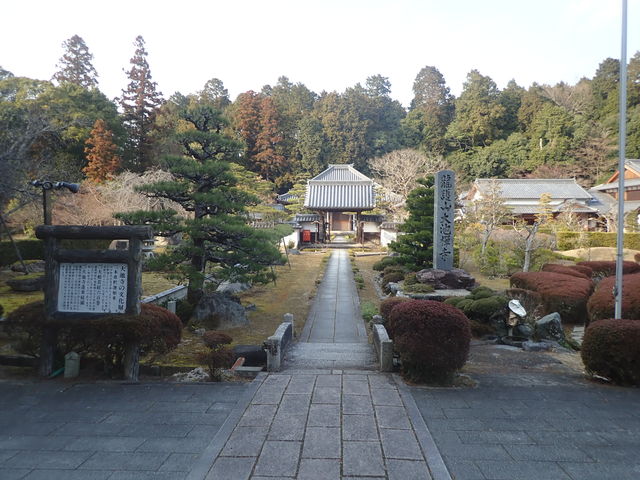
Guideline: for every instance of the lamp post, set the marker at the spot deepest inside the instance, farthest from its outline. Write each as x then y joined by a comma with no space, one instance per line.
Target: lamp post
47,186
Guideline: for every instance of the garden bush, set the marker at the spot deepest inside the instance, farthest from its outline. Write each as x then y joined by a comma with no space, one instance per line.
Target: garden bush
380,265
432,338
410,279
394,269
610,349
601,305
156,329
565,270
418,288
386,306
29,250
565,294
608,268
219,355
368,310
573,240
392,277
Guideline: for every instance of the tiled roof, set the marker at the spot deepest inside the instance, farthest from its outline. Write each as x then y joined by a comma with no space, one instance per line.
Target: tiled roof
628,182
340,187
286,197
634,164
306,217
533,188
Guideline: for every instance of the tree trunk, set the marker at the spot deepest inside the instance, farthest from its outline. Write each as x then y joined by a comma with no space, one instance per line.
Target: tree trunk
528,247
196,282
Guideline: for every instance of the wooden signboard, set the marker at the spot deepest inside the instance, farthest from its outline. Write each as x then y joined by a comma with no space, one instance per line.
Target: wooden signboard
90,283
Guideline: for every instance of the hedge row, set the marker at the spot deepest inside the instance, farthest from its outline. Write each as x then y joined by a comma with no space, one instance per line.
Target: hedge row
565,294
573,240
34,249
602,304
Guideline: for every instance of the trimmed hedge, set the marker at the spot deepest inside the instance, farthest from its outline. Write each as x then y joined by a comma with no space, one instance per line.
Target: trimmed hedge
565,294
571,240
34,249
29,249
607,268
380,265
601,305
156,329
610,349
565,270
433,339
386,306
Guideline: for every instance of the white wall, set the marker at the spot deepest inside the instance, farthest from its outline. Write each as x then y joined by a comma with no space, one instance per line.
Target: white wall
387,236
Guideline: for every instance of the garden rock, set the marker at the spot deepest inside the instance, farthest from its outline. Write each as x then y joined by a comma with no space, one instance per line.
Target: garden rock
196,375
531,346
393,287
219,312
233,288
27,284
550,328
523,330
31,266
377,319
456,278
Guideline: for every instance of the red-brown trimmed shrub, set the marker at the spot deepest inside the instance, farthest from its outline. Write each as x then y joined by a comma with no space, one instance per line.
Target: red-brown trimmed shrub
565,294
588,271
610,349
564,269
608,268
386,306
213,339
432,338
156,329
602,304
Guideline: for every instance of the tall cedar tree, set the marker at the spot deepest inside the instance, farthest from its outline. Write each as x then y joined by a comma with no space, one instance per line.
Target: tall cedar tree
416,245
139,103
102,159
217,232
246,121
269,163
75,65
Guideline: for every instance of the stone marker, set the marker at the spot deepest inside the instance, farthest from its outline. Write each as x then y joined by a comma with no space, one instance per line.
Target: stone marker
444,205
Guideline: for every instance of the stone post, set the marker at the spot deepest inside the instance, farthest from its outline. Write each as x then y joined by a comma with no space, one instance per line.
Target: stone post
444,212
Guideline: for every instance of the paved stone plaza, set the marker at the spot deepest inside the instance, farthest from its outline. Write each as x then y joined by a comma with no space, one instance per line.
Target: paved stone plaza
328,415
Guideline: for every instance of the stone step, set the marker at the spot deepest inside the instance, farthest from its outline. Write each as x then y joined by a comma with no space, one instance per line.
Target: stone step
330,356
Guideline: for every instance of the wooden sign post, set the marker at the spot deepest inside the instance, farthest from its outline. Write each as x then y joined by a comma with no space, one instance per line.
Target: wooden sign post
90,283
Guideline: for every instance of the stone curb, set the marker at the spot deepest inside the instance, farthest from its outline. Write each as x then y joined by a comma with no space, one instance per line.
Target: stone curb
205,461
430,450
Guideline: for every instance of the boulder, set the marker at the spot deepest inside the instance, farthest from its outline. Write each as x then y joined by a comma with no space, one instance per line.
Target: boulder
28,283
233,288
217,311
531,346
549,327
31,266
446,279
523,330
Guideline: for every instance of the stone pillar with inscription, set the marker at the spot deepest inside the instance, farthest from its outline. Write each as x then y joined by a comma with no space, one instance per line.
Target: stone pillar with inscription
444,212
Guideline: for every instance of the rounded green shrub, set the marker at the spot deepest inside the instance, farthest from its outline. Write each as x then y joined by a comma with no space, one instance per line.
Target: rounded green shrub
433,339
465,303
483,308
380,265
610,349
394,269
481,292
419,288
454,301
410,279
392,277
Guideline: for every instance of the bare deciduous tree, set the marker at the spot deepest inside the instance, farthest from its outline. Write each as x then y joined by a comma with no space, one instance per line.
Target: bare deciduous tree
398,170
489,212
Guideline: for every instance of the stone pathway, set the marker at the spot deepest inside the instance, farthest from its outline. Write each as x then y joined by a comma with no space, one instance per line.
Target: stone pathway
330,415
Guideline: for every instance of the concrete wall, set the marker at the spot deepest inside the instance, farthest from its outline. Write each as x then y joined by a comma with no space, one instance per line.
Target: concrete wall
387,236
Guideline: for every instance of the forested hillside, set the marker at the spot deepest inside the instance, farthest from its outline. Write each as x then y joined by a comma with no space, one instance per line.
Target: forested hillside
289,133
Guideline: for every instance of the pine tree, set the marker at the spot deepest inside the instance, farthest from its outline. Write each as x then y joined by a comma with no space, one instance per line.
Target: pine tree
416,245
216,231
102,159
139,103
75,65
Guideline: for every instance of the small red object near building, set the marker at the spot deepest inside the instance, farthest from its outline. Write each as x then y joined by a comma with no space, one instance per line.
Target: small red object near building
306,235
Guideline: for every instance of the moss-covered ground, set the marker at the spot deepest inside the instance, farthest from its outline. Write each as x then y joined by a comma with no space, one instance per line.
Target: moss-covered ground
293,292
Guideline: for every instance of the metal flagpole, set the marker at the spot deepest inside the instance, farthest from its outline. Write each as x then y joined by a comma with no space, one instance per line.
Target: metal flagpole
621,162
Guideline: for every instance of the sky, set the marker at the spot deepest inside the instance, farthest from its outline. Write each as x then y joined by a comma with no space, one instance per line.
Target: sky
324,44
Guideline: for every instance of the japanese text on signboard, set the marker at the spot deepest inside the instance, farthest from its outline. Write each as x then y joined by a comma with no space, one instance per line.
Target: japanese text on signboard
93,287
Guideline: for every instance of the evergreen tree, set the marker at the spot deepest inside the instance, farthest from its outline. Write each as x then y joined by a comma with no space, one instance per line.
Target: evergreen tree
140,102
268,161
216,231
75,65
311,146
416,245
102,158
215,93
